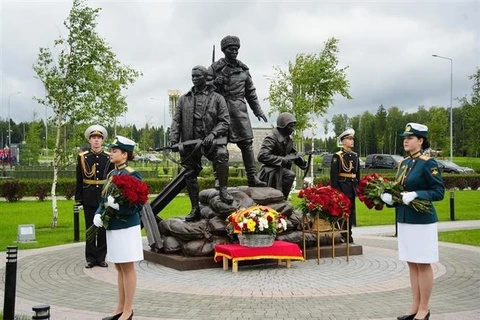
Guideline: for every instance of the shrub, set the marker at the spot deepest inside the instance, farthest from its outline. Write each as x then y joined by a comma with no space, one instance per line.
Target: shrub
12,190
69,192
41,192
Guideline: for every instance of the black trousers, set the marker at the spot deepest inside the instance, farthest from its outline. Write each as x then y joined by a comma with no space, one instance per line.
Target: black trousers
95,251
348,188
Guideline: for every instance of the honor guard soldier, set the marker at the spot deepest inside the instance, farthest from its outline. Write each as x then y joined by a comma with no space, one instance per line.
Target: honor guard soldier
345,174
93,167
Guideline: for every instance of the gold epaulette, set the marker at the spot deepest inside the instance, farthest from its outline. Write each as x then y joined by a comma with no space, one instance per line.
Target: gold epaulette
129,169
424,157
339,152
83,153
106,152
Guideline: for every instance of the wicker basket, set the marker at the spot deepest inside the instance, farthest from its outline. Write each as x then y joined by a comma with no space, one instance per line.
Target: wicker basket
256,240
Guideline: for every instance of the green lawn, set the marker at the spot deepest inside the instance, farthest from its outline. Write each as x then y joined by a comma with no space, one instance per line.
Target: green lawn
471,237
39,214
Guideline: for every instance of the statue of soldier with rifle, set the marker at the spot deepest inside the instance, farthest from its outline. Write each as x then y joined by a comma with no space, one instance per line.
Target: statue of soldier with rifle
232,80
200,122
277,155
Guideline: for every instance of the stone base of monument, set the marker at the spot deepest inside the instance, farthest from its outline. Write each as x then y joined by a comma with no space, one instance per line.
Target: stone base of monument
183,263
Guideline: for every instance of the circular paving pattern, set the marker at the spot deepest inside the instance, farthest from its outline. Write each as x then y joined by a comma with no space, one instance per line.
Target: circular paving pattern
374,285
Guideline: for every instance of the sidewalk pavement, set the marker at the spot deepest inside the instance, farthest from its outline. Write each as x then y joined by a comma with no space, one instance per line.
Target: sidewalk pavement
374,285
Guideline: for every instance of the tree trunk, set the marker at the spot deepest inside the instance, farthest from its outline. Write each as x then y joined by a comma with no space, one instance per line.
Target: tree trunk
56,159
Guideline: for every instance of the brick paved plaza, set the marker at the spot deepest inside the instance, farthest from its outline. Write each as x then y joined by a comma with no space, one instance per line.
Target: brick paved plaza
372,286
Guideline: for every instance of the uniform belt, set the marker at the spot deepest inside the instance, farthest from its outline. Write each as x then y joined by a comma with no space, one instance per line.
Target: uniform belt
347,175
87,181
233,97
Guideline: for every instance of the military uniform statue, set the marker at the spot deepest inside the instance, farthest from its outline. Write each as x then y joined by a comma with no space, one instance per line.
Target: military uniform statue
232,80
277,155
202,114
93,167
345,173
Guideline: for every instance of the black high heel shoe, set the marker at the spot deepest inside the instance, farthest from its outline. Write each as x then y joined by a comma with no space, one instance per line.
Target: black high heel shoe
115,317
131,316
427,317
407,317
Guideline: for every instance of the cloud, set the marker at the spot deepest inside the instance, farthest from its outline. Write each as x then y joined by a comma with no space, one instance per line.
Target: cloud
387,46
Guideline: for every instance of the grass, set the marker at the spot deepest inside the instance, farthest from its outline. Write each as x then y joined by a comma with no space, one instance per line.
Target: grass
40,214
470,237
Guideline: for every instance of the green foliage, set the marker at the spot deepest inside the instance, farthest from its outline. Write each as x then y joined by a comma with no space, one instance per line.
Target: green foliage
83,82
309,85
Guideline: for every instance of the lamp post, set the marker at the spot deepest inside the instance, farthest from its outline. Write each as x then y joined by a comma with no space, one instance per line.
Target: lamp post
451,100
9,119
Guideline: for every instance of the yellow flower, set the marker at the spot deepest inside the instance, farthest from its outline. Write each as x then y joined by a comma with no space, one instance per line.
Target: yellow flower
251,225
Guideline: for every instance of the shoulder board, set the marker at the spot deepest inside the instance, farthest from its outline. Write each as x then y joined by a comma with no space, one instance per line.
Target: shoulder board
339,152
424,157
83,153
106,152
129,169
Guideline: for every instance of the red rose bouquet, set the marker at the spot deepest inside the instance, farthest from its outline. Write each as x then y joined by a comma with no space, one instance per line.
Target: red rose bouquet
330,203
372,186
127,191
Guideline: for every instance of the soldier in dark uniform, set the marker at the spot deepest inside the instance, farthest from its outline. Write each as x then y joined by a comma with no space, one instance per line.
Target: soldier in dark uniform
345,174
277,155
232,79
202,113
93,167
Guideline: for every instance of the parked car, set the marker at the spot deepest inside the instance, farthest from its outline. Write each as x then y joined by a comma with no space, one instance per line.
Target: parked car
451,167
152,158
383,161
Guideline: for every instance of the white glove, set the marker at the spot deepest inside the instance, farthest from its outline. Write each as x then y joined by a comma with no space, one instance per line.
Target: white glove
97,220
408,197
111,203
387,198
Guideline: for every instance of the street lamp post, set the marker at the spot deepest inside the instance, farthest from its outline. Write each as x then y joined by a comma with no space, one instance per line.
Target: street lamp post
164,120
10,119
451,101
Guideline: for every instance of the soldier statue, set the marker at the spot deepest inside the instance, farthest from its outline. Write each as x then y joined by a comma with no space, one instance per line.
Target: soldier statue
201,114
232,80
345,173
277,155
93,166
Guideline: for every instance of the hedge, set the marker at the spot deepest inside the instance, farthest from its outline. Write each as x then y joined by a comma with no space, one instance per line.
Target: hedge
66,187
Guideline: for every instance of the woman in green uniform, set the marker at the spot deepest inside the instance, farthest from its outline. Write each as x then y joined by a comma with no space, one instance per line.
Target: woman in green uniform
417,232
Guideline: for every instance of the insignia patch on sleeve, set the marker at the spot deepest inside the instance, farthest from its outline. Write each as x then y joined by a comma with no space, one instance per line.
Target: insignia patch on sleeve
434,171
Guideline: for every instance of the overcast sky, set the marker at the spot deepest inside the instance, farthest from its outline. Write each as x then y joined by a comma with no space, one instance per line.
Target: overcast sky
387,45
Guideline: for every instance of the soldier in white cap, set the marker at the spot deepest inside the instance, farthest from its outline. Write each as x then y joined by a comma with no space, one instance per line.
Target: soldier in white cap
345,174
93,166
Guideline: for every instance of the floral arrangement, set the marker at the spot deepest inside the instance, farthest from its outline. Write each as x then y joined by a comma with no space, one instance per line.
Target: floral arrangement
127,191
372,186
256,220
330,203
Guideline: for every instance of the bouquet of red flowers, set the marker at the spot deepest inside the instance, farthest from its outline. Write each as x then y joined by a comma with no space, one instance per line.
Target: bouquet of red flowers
127,191
372,186
330,203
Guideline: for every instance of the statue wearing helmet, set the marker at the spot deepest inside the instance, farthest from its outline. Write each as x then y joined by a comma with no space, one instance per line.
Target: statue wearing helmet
93,166
232,80
277,155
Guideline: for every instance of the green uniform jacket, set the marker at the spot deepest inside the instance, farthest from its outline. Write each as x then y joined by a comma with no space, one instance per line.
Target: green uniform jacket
127,216
421,174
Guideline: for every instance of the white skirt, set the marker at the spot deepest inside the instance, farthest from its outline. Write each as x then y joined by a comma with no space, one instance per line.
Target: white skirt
124,245
418,242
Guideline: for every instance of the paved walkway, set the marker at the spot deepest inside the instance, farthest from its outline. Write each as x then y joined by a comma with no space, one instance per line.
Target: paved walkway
372,286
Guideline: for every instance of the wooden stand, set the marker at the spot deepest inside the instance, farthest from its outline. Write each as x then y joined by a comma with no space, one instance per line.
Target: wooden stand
336,228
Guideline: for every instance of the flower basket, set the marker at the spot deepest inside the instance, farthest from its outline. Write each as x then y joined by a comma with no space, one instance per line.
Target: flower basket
256,240
330,204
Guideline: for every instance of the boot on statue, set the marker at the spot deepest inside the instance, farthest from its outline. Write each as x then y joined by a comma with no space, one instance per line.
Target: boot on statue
222,176
193,190
249,162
